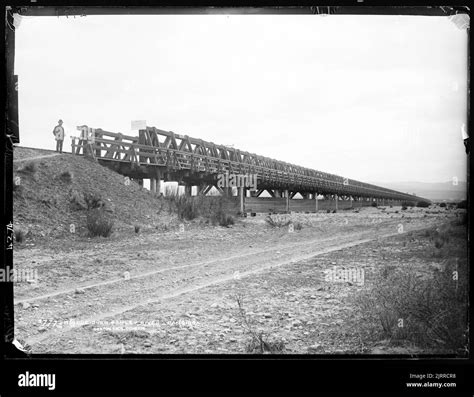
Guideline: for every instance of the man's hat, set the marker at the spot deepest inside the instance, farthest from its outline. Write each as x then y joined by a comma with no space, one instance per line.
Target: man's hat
60,121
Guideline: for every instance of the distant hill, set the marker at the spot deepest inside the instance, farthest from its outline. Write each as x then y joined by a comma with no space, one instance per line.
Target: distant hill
441,191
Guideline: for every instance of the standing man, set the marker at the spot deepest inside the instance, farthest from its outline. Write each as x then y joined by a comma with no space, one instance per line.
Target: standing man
58,133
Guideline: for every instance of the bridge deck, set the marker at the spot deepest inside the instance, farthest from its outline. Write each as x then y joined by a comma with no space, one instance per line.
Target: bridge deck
169,156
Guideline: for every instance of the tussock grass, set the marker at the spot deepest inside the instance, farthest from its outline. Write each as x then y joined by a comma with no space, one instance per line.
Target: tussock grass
422,204
427,309
98,223
29,168
192,207
19,235
66,176
276,221
259,342
93,200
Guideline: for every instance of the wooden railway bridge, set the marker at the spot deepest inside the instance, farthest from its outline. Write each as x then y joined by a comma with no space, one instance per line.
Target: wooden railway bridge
164,155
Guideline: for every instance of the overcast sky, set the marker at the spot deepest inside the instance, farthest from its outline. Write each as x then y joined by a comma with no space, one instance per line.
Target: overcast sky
373,98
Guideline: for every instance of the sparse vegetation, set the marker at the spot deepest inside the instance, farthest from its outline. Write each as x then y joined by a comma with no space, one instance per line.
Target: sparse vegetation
462,220
404,208
192,207
428,310
462,204
76,200
443,205
137,229
374,204
17,190
277,221
259,343
422,204
93,200
29,168
408,203
66,176
185,206
98,223
19,235
226,220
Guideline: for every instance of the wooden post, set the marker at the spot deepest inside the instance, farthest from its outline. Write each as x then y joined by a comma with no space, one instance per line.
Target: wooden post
98,135
316,200
336,200
242,199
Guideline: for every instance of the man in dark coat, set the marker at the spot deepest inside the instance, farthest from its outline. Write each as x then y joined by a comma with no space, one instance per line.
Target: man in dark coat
58,133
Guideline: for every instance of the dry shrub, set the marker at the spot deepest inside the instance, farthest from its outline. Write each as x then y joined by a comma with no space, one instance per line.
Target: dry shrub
93,200
429,310
19,235
29,168
259,342
423,204
66,176
277,221
191,207
99,223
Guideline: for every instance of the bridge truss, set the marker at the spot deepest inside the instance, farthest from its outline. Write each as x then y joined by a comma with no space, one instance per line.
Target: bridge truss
158,154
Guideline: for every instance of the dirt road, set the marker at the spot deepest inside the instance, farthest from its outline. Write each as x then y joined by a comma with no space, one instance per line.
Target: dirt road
127,280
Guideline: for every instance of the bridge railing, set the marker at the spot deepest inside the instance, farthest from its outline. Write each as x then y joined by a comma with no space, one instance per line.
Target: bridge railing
110,146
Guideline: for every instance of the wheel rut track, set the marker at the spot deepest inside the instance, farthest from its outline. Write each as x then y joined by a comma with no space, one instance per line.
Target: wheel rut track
221,273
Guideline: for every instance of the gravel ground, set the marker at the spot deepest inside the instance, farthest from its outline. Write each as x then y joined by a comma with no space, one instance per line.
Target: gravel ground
178,292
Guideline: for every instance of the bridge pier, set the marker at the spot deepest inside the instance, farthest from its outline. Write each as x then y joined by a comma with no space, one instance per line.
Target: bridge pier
277,193
242,194
336,198
155,181
287,201
153,185
316,200
188,190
